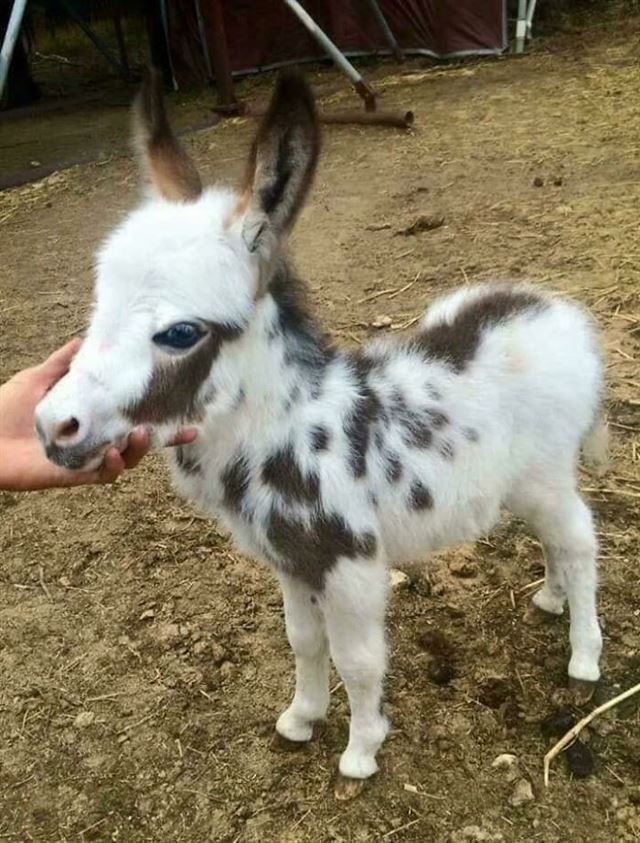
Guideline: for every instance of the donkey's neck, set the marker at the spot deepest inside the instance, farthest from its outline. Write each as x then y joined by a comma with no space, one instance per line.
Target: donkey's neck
278,363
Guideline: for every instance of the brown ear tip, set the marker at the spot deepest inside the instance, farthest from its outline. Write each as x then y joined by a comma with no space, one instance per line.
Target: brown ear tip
148,106
292,87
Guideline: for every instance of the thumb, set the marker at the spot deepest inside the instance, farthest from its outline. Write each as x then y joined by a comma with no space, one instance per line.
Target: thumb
57,365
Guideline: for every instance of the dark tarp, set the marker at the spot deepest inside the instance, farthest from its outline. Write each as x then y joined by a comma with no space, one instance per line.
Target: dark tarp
265,33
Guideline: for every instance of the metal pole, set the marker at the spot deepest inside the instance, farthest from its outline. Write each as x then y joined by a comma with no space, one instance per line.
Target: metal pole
530,13
362,87
98,43
10,38
227,103
388,34
521,26
167,41
203,40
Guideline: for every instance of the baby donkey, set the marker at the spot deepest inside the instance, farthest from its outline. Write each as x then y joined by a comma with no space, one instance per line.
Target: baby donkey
326,463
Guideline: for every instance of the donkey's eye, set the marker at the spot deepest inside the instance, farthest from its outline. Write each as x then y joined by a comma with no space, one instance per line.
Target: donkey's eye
179,336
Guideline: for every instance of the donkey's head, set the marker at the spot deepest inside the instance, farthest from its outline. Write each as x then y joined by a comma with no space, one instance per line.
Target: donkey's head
177,283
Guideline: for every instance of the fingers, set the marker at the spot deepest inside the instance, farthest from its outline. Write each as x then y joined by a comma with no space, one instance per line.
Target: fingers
57,364
183,437
115,462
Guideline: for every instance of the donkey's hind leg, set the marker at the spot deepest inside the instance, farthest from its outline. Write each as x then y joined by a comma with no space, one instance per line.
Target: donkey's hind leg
564,525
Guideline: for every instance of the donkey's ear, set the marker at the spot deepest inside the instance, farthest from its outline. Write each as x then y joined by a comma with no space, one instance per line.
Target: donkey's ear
281,164
168,169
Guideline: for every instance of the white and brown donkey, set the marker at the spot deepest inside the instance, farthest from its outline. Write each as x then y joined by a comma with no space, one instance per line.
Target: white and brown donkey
326,463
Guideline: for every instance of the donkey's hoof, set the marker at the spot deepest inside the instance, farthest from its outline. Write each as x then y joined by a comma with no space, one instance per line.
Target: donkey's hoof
347,788
282,744
582,690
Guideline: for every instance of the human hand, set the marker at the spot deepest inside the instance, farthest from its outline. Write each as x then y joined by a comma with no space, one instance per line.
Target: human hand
23,464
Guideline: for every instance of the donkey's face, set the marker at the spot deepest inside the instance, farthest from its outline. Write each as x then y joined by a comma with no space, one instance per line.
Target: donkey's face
177,282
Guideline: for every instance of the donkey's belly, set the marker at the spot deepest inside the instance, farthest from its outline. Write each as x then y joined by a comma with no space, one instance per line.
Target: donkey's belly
410,536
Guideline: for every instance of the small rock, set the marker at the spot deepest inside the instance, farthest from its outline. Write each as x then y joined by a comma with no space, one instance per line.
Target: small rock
381,321
410,788
538,181
580,759
425,222
522,793
84,719
508,763
35,163
148,614
218,653
463,568
476,834
397,578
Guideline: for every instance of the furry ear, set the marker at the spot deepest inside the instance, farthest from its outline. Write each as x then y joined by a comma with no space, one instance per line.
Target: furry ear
168,169
281,164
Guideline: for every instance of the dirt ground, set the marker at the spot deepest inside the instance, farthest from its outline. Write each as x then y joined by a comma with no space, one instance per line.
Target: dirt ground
143,663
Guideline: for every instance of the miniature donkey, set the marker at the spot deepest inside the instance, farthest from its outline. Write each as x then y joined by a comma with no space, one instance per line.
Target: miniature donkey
326,463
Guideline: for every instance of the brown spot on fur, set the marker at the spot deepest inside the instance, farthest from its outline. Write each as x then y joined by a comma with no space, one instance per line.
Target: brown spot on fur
282,473
393,467
419,496
446,450
186,459
169,168
456,342
310,551
319,438
172,392
362,416
471,434
417,430
235,482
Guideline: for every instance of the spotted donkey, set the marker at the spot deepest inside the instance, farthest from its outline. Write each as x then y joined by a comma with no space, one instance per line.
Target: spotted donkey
325,463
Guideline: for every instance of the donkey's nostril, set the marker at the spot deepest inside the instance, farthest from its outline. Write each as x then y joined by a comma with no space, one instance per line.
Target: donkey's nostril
68,429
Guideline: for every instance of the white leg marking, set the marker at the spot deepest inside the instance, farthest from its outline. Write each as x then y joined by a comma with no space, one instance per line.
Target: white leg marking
564,525
306,633
354,603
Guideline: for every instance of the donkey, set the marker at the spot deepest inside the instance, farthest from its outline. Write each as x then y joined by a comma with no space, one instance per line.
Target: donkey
325,463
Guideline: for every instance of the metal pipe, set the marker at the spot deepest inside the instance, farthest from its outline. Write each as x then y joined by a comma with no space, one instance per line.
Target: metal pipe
9,41
399,119
386,29
362,87
227,102
167,41
521,26
98,43
203,40
530,13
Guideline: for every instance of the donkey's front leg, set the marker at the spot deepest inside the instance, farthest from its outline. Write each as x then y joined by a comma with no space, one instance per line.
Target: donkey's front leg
354,604
306,633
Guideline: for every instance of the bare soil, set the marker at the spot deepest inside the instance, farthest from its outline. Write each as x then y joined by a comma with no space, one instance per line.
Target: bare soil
143,662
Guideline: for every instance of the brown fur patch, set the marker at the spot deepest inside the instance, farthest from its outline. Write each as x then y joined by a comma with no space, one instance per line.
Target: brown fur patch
310,551
282,473
456,342
172,392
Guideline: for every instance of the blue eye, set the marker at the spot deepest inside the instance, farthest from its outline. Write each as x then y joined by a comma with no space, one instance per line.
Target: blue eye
180,336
